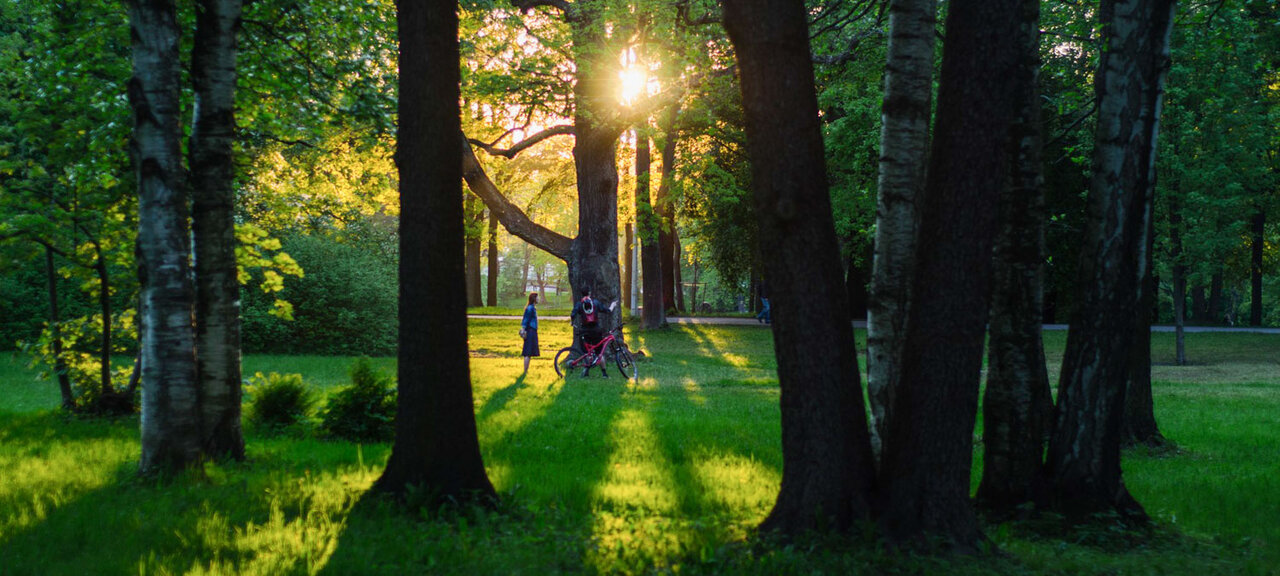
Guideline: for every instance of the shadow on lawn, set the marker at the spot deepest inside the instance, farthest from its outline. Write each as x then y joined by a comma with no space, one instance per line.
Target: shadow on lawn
277,513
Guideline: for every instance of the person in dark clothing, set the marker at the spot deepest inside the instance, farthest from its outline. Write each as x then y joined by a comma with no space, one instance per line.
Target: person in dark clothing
529,331
588,314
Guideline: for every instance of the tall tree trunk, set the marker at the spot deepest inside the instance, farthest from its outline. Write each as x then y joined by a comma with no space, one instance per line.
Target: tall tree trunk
678,267
1083,463
171,438
855,283
628,268
665,212
648,226
55,332
1139,424
693,291
104,308
217,311
491,289
436,450
1179,281
474,215
904,145
926,469
1258,243
827,469
1018,405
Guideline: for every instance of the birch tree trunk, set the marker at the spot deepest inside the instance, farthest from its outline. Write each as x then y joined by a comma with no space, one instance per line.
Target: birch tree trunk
171,438
1018,404
436,450
827,470
1083,463
904,143
213,73
926,468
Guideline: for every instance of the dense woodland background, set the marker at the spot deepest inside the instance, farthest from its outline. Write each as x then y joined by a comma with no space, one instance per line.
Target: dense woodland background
315,178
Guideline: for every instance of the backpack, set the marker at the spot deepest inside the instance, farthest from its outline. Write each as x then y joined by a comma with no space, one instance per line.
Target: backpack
588,312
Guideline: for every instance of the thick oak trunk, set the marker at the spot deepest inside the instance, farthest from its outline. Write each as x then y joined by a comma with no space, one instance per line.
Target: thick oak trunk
436,450
925,469
217,311
654,314
1083,463
904,144
827,470
1018,405
171,438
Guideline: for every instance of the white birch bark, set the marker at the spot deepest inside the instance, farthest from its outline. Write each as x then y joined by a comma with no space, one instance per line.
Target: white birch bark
904,140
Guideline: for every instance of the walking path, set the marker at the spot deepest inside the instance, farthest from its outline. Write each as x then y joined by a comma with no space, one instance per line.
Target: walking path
863,324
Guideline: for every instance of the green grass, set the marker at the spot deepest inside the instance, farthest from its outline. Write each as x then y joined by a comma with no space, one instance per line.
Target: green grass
665,474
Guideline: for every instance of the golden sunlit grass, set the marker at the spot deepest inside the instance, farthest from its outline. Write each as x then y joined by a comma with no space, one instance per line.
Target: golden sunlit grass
665,474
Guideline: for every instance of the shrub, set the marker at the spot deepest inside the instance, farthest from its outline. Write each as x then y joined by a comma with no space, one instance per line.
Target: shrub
278,401
365,411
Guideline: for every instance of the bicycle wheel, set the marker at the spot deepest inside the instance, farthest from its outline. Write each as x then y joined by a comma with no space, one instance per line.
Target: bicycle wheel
566,361
626,363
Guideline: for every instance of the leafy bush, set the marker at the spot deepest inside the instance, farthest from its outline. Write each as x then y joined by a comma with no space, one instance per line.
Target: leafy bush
278,401
344,305
365,411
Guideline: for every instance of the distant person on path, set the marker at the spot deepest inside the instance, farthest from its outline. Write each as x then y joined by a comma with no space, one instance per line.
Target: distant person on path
529,331
765,315
589,310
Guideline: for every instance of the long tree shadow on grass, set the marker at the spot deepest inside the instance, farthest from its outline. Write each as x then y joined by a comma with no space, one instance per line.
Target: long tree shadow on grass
82,510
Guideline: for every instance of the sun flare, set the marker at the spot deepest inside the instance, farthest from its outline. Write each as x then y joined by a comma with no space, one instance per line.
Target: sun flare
632,82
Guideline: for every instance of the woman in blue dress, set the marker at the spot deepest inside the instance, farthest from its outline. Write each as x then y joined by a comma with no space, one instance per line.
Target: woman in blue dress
529,331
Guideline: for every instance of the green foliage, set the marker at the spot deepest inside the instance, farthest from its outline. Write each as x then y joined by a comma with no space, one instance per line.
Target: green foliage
277,402
345,303
363,412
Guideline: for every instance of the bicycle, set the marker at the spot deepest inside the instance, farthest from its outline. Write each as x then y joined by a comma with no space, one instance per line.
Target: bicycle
569,358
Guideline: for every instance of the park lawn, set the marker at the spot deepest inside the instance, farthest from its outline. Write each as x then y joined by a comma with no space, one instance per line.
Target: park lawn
665,474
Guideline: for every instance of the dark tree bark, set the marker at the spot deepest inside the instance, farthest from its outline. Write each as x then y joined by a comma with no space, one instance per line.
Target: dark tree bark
512,218
666,213
827,470
1083,463
856,278
1139,426
171,438
926,469
678,269
1258,243
904,144
628,268
55,332
474,216
654,314
491,288
1199,305
436,449
1017,407
217,311
104,308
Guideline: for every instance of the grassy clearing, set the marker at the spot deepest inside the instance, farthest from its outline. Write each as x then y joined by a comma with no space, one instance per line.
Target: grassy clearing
665,474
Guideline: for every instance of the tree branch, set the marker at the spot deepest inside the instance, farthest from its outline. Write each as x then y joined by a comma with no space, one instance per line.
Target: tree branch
522,145
510,215
683,14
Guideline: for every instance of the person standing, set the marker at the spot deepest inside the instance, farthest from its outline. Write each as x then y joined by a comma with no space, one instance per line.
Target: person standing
765,315
529,331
